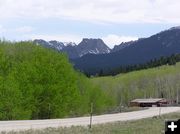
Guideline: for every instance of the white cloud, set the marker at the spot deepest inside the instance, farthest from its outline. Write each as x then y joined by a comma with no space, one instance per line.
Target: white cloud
118,11
113,39
15,33
2,29
23,29
17,30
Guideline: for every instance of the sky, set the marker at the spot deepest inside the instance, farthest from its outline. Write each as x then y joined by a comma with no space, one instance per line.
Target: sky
114,21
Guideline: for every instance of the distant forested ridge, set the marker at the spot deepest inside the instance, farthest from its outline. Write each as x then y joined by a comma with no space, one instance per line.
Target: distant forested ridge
40,83
169,60
141,51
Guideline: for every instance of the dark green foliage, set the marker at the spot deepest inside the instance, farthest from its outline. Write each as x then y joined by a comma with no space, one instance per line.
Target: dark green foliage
171,60
38,83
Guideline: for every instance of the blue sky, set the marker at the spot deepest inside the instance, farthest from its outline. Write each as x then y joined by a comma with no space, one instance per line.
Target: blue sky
114,21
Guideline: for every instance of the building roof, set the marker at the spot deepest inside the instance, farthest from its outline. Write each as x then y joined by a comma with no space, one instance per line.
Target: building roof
150,100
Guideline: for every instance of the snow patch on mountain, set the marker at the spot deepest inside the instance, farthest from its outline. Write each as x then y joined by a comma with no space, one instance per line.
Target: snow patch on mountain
86,46
69,44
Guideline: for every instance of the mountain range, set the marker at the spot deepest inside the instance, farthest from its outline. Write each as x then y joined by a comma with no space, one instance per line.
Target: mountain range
91,55
86,46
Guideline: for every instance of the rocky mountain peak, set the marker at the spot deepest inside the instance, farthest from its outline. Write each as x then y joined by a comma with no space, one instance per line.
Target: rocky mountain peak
86,46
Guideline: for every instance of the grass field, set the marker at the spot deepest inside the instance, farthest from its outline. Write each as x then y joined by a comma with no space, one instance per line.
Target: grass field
153,125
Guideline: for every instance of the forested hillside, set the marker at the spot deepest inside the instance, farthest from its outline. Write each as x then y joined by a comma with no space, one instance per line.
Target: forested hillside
39,83
142,51
159,82
170,60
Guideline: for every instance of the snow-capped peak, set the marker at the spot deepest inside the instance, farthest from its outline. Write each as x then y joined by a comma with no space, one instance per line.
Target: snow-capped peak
69,44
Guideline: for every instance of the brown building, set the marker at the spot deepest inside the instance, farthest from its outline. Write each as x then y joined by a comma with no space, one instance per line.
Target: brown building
149,102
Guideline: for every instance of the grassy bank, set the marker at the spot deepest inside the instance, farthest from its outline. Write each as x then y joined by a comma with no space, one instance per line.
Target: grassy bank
144,126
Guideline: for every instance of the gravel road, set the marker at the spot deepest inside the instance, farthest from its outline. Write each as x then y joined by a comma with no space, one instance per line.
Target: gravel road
84,121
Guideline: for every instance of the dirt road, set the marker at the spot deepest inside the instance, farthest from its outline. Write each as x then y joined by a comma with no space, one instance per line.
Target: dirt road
84,121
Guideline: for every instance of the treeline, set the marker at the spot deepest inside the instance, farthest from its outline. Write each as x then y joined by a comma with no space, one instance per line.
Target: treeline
171,60
39,83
